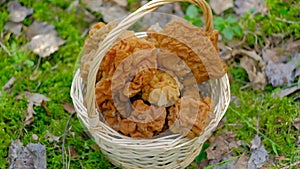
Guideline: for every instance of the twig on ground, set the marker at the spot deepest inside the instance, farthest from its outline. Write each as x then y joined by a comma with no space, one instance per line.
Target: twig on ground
286,21
69,161
292,165
64,138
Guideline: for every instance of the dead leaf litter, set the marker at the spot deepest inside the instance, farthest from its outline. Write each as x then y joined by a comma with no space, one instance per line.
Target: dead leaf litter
44,39
110,10
18,12
37,28
259,154
26,157
2,1
81,11
219,6
15,28
69,107
33,99
45,44
281,73
220,150
8,85
252,6
254,66
51,138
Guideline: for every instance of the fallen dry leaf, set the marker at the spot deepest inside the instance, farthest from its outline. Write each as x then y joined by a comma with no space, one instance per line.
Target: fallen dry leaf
15,28
96,5
256,142
254,66
33,99
228,165
2,1
29,117
252,54
46,108
253,6
298,141
17,13
81,11
221,145
30,157
259,155
217,149
168,9
296,123
275,55
121,2
93,5
37,28
72,152
293,46
45,44
51,138
258,158
69,107
280,53
220,151
288,91
281,74
8,85
39,152
219,6
257,78
111,12
36,98
231,162
241,162
95,147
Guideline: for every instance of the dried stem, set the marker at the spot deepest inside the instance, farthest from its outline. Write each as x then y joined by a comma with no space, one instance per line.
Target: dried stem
64,138
292,165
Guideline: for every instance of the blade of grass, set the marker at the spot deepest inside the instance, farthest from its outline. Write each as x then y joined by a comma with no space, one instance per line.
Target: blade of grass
274,145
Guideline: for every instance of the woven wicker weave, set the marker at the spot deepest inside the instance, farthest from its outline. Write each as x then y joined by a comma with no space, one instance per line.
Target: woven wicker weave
169,151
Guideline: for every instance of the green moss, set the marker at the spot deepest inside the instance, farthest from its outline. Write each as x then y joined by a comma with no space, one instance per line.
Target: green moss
52,78
54,75
272,117
282,19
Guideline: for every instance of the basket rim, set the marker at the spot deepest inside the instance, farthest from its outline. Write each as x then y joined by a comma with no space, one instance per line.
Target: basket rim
170,151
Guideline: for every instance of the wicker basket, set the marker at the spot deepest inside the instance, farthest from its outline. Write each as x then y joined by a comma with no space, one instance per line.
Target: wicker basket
169,151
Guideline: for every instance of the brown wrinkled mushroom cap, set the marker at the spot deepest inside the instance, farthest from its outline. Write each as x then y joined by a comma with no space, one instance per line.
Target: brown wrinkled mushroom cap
96,35
144,121
196,47
150,73
113,58
190,115
157,87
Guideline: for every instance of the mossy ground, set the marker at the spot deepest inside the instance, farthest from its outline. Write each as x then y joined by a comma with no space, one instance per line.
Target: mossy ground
256,111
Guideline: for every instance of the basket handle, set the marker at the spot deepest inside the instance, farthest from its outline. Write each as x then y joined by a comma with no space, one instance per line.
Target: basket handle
114,34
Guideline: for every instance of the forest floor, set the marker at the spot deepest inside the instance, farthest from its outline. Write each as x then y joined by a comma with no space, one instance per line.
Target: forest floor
259,42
